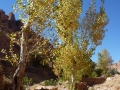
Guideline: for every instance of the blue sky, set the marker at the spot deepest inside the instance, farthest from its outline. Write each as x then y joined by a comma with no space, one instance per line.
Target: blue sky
111,41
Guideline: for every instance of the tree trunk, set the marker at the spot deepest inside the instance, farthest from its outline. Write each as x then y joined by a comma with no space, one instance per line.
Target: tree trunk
17,78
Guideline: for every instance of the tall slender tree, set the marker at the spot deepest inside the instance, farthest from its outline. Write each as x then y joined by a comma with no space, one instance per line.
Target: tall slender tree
80,38
34,15
104,59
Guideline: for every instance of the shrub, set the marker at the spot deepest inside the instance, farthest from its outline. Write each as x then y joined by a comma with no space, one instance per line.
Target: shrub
36,59
94,74
97,73
40,60
112,72
50,82
26,81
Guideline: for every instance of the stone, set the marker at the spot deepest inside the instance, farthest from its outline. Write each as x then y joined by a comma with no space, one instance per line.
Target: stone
46,88
109,79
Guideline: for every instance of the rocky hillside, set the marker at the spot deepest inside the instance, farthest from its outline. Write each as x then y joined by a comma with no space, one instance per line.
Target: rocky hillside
115,66
8,24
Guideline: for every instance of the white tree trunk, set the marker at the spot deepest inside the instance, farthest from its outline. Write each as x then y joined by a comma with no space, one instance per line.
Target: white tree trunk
17,78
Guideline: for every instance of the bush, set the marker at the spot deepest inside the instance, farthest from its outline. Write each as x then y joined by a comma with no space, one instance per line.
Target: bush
94,74
26,81
40,60
97,73
112,72
36,60
50,82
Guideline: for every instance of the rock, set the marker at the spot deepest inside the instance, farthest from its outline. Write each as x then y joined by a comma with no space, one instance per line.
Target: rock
109,79
11,16
8,22
46,88
1,78
3,17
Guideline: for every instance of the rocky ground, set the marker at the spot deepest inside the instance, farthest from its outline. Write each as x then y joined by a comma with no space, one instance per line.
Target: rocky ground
111,83
39,75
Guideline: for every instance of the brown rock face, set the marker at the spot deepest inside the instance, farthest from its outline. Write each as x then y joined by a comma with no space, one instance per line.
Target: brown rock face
1,78
8,22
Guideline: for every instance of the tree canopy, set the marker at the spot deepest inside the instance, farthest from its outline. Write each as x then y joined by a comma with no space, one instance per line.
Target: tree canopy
79,36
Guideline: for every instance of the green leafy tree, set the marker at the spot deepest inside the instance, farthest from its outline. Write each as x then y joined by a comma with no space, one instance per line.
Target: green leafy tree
104,59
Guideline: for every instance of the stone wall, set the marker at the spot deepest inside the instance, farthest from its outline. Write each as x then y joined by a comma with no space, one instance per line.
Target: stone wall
81,86
93,81
86,82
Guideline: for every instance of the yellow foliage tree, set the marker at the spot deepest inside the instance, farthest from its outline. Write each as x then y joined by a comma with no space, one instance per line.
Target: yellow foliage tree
79,38
35,15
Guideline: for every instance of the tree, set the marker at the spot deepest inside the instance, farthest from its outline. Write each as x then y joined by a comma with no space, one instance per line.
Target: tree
80,37
104,59
35,15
